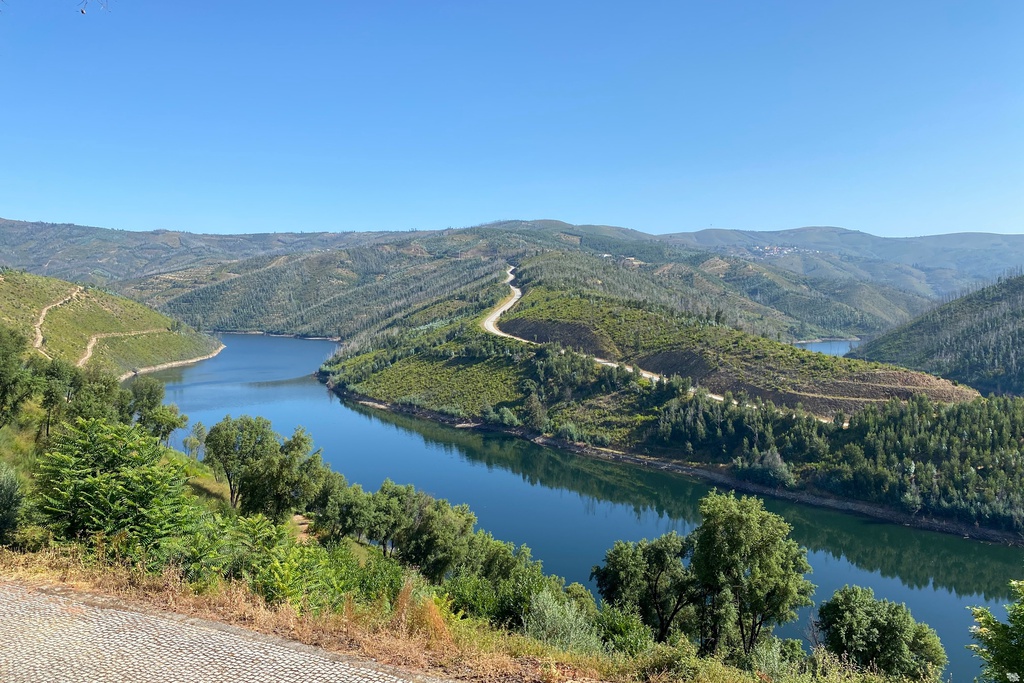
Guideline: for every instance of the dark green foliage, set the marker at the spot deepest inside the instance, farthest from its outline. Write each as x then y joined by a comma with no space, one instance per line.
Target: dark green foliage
282,481
726,585
16,380
624,631
232,445
265,475
1000,645
748,574
12,497
340,510
879,635
497,581
105,482
648,578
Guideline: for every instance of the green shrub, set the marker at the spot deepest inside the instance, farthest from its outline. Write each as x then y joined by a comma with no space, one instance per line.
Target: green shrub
624,631
879,634
555,620
105,484
1001,645
11,500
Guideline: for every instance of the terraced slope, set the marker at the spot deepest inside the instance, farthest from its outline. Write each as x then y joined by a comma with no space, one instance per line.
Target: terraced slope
89,327
977,339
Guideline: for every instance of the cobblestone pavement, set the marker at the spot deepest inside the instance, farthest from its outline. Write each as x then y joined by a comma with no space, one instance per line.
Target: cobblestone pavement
50,638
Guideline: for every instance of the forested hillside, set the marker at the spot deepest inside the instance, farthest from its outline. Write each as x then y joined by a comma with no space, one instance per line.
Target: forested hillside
934,265
832,281
956,461
85,326
340,293
100,255
977,339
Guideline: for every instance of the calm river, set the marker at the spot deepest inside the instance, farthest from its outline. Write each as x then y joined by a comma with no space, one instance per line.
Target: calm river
570,509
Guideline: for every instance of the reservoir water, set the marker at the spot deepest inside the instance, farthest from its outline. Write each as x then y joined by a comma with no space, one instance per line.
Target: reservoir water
570,509
830,347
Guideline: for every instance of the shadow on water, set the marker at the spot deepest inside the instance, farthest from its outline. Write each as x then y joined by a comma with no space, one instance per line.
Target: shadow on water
920,559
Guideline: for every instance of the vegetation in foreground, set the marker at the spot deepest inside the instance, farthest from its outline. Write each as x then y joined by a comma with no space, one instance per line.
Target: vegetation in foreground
103,493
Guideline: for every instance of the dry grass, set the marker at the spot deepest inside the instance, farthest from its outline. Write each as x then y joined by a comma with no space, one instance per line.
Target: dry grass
415,635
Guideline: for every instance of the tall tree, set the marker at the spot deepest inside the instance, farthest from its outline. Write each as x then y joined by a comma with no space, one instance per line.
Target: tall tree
649,578
879,634
748,574
195,440
279,482
233,444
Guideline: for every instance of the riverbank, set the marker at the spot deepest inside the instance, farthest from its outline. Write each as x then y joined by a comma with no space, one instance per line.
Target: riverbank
276,334
714,475
168,365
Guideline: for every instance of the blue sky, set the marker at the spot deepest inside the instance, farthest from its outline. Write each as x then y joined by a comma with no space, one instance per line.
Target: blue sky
894,118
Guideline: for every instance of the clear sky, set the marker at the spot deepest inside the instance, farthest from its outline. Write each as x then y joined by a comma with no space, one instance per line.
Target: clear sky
893,117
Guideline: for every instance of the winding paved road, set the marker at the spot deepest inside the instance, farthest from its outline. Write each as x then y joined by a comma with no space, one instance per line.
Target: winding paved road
51,637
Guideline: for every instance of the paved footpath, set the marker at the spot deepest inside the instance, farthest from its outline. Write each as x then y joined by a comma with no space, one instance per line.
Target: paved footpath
57,638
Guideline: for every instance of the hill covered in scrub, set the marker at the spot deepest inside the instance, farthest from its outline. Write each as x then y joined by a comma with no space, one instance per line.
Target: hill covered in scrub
345,292
102,255
977,340
595,314
88,327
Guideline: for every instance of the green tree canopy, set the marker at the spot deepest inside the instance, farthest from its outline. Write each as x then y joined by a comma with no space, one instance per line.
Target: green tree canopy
1001,645
282,480
748,573
879,634
648,578
234,443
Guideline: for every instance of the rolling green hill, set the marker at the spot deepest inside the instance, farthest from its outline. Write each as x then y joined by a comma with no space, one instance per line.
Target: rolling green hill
88,327
603,321
456,370
977,339
352,291
100,255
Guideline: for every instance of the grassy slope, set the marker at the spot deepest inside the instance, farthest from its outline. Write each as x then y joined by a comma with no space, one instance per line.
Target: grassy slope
752,296
67,328
718,357
975,339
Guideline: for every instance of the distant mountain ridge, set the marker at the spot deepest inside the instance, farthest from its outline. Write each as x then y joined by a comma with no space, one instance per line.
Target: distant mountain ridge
933,266
99,255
